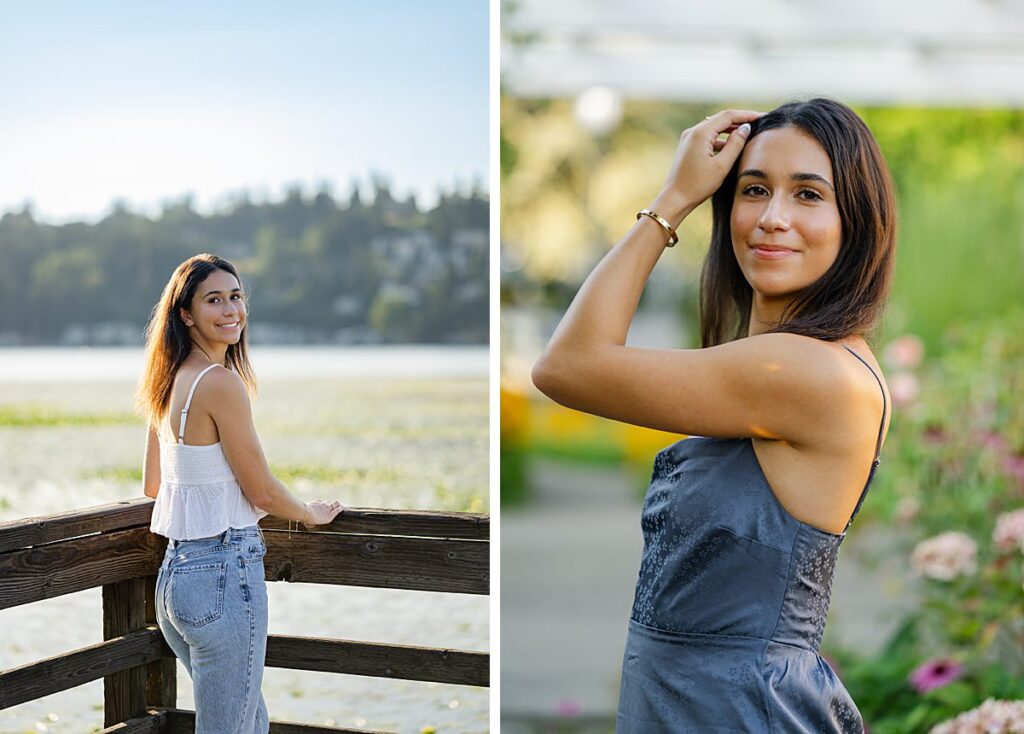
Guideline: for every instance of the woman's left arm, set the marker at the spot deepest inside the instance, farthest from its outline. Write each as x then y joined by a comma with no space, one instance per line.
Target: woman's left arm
151,465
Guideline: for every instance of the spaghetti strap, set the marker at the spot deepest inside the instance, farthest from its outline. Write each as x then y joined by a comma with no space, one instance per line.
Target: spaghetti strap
878,443
188,402
881,428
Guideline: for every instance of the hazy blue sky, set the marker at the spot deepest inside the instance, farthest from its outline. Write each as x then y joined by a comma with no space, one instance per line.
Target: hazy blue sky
148,101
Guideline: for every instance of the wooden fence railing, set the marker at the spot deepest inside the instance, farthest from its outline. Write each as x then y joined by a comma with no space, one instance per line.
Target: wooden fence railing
111,546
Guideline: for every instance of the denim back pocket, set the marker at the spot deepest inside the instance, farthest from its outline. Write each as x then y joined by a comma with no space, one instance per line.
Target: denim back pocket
197,593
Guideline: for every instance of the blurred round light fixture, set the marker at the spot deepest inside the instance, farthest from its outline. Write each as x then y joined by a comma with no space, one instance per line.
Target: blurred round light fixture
598,109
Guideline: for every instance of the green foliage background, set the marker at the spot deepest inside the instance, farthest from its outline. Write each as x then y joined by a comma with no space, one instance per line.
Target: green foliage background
956,453
567,197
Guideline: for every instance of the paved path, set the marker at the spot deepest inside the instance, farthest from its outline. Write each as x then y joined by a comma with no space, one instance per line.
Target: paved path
569,563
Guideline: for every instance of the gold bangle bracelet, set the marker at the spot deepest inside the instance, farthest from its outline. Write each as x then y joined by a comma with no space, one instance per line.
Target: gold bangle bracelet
673,238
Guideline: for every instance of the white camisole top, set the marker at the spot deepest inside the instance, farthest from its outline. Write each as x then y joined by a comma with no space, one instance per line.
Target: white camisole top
199,496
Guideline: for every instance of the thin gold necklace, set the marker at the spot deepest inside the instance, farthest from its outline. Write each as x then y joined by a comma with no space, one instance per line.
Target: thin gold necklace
196,347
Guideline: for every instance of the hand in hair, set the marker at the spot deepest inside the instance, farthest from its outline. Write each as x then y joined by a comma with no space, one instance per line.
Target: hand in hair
702,162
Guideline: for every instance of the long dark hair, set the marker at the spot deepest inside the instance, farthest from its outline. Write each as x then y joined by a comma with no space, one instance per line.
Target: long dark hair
850,297
168,342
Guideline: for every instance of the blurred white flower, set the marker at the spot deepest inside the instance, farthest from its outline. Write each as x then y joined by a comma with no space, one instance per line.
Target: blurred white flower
904,388
1009,530
945,556
992,717
907,509
904,352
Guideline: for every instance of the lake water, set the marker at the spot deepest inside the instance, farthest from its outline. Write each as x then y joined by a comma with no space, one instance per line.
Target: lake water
32,364
403,427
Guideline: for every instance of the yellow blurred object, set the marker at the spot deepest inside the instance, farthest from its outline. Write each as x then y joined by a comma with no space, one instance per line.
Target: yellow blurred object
555,426
515,414
564,422
532,421
641,444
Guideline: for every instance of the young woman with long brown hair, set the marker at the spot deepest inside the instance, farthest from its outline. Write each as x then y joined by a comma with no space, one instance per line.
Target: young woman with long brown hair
743,523
211,491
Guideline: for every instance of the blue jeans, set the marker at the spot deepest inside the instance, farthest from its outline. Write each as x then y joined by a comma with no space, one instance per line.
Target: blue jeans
211,605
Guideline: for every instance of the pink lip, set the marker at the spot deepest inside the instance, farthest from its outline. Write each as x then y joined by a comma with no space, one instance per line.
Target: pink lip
771,252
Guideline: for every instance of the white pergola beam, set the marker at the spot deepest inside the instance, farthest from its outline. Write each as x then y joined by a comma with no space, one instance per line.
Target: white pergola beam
913,53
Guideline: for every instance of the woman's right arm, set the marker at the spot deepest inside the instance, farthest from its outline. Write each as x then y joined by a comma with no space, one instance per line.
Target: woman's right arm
232,412
775,385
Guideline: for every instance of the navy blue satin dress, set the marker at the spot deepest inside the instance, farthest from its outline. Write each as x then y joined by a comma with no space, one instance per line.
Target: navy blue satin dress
731,602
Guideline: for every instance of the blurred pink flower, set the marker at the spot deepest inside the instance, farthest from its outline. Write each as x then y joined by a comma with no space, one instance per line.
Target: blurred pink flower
935,674
935,434
991,717
1009,530
1013,467
904,388
945,556
991,440
904,352
569,707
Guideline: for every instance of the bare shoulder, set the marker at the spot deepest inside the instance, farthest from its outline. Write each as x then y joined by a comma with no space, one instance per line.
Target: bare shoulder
221,378
813,363
222,388
819,381
852,389
830,394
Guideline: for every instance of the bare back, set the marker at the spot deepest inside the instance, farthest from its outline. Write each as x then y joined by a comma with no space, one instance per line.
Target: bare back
820,483
200,428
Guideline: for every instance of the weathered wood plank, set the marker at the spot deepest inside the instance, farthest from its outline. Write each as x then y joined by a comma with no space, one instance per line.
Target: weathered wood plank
67,670
31,531
152,722
425,564
34,531
423,523
408,662
181,721
47,571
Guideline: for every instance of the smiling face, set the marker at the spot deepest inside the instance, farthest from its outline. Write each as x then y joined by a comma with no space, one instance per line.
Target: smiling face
217,311
784,198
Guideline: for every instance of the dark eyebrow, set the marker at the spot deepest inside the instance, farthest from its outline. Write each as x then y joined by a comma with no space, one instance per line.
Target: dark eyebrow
233,290
756,173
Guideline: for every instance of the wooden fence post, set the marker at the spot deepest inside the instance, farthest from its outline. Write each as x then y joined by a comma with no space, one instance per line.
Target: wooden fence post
161,675
124,610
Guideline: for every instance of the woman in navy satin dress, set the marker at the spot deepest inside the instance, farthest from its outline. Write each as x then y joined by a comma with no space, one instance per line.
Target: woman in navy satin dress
785,405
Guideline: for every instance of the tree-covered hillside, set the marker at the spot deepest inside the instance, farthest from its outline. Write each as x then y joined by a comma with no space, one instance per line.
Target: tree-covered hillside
318,270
